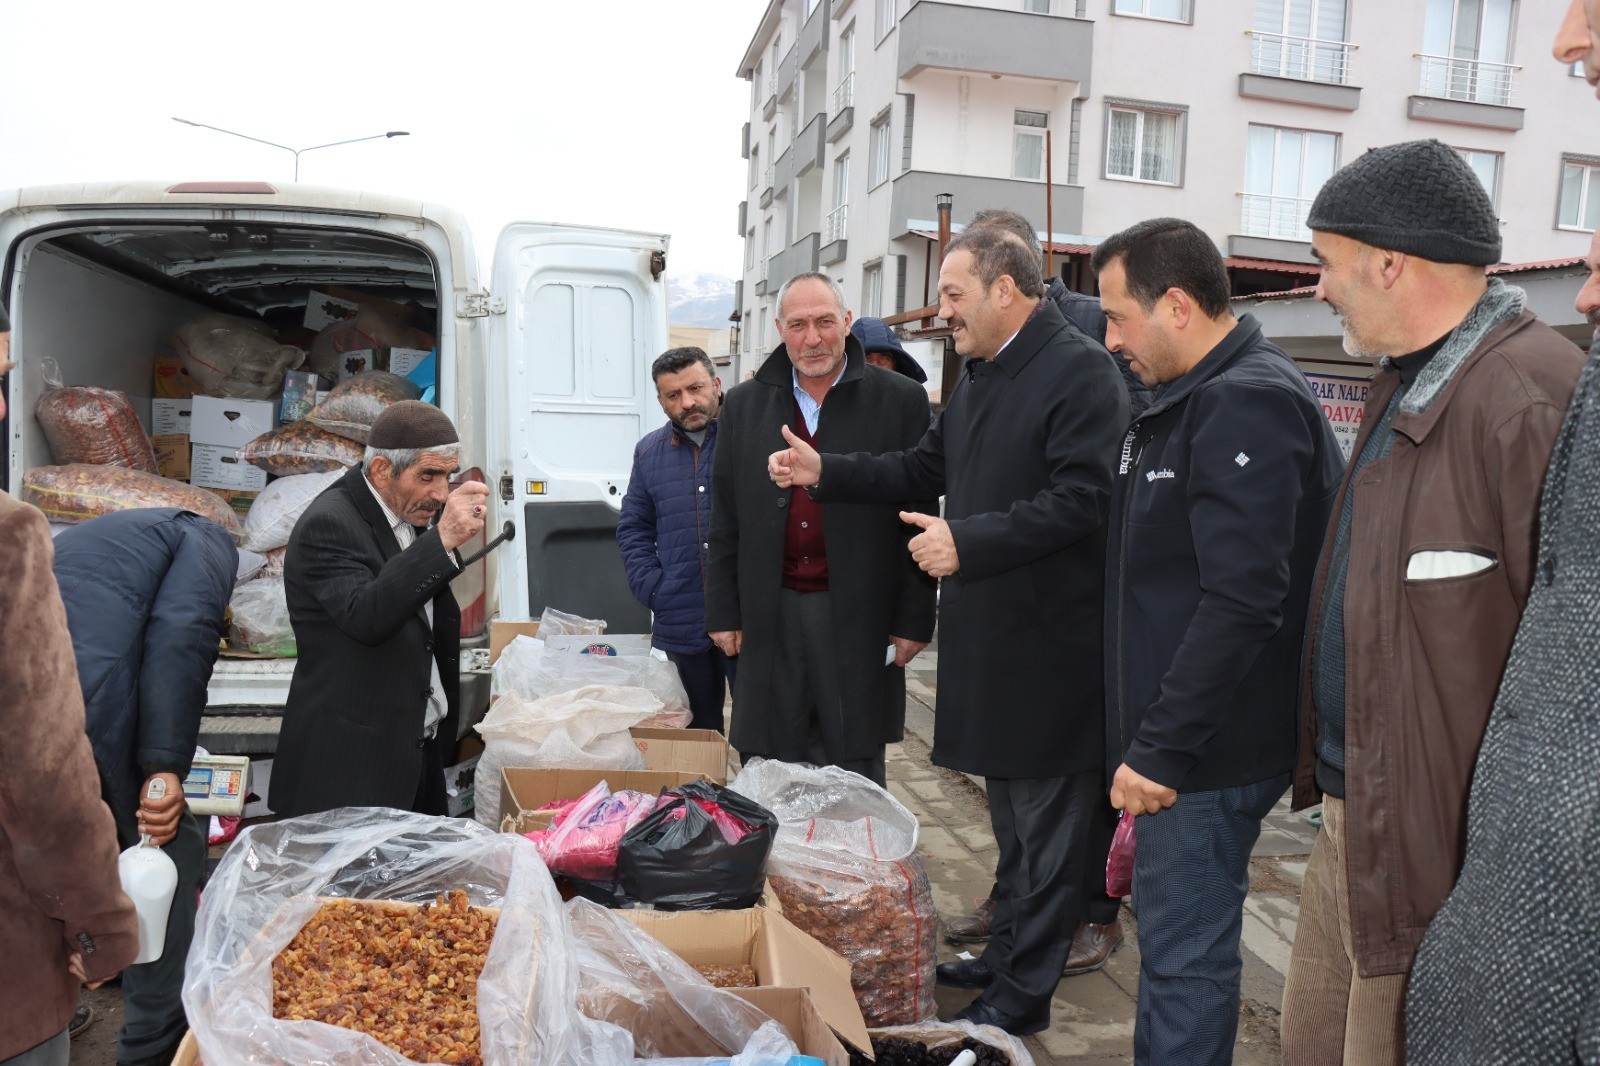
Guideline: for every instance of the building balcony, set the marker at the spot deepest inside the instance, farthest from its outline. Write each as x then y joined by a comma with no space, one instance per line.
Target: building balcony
1273,227
744,217
785,175
770,108
810,148
763,269
744,142
911,203
1470,92
814,36
1300,70
834,246
766,187
799,258
844,107
787,71
982,40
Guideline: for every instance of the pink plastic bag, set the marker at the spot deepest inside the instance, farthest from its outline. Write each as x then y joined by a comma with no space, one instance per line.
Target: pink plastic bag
582,841
1119,862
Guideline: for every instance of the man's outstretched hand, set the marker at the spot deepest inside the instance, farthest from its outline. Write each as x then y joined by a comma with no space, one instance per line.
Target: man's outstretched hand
797,465
934,549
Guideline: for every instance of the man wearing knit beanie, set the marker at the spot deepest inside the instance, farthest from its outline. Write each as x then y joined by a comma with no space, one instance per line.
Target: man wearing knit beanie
373,704
1507,970
1426,566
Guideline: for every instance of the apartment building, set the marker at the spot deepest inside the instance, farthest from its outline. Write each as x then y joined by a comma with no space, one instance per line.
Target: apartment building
1102,112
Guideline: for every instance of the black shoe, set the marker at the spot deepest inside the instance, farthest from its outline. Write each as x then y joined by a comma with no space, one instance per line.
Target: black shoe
82,1018
966,973
981,1012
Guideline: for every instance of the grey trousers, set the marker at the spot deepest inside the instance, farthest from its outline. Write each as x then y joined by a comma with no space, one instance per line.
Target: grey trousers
152,994
1041,825
53,1052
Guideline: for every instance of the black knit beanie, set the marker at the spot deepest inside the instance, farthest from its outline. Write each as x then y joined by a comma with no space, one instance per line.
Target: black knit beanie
412,424
1419,198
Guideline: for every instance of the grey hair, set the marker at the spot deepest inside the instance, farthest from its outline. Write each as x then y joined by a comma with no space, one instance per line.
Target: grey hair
812,275
403,459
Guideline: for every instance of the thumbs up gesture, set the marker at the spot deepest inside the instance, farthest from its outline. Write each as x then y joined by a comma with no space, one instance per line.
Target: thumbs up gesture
934,549
797,465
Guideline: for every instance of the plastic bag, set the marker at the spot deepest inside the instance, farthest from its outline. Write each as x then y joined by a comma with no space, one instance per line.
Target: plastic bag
1119,860
261,619
250,564
584,728
80,491
89,425
582,840
846,867
631,980
232,356
301,448
275,562
273,879
355,403
368,328
554,623
274,513
564,662
679,858
954,1035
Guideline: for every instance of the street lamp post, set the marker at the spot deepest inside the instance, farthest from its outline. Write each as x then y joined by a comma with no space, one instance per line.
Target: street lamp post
296,152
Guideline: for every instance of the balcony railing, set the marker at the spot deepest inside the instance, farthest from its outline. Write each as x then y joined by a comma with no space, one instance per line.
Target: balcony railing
761,268
1281,217
1474,80
838,222
844,94
766,179
1278,55
772,84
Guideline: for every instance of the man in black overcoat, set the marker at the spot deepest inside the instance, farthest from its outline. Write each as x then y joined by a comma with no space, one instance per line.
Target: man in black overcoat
1024,455
820,602
378,630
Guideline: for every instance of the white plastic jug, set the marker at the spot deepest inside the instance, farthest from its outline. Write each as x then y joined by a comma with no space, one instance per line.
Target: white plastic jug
150,878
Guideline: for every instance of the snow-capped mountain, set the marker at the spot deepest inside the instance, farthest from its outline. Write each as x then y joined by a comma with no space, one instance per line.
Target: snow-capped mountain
699,299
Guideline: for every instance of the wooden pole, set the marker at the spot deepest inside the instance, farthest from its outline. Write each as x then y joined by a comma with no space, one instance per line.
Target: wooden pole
1049,209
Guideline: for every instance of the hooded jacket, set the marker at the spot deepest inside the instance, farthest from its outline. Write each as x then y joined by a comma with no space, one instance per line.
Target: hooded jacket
1084,315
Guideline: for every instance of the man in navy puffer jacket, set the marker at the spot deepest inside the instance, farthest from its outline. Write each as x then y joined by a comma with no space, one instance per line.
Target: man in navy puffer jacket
666,523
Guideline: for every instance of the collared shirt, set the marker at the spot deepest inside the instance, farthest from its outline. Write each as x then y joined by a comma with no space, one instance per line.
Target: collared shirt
811,409
406,535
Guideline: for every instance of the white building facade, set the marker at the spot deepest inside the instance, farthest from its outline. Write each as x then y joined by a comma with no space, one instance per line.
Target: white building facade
1230,113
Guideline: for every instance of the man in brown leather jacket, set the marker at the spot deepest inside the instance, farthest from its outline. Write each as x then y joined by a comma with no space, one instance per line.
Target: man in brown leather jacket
63,916
1422,580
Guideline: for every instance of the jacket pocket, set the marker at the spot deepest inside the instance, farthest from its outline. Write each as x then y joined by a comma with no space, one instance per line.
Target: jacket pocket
1445,564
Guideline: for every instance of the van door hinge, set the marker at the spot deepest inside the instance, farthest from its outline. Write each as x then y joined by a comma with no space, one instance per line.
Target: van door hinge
479,305
658,264
508,488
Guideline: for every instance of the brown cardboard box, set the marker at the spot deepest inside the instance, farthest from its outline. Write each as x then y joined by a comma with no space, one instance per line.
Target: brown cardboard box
794,1009
503,633
172,455
779,952
694,751
188,1053
523,790
238,499
171,380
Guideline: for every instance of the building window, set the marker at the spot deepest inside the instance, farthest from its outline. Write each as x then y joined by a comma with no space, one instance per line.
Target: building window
1028,131
1170,10
1143,145
885,18
878,151
1301,39
755,165
1466,51
844,93
1037,7
750,250
839,216
811,5
1487,166
1283,170
872,292
1580,194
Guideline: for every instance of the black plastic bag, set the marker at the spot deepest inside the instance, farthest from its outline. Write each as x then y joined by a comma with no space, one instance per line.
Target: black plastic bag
679,859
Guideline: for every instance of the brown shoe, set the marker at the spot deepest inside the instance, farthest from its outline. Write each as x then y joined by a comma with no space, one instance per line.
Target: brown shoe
971,928
1092,945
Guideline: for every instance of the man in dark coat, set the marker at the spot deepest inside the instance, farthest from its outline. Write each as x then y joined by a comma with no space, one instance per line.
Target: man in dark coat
819,601
1222,494
664,529
1024,452
146,593
64,918
378,630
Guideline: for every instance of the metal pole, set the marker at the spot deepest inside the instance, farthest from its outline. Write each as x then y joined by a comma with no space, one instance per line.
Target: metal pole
1049,209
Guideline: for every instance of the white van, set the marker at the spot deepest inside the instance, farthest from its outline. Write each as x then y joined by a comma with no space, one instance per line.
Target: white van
545,371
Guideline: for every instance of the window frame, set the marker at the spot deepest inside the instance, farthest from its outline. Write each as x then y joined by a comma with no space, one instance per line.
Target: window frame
1588,163
872,278
1499,169
1020,129
1049,7
1142,107
1338,149
885,26
1187,18
880,149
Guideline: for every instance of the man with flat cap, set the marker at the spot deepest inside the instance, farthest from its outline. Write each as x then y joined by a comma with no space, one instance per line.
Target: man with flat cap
368,580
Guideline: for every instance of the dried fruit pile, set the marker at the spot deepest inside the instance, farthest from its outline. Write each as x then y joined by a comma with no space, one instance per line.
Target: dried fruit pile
409,978
893,1051
729,976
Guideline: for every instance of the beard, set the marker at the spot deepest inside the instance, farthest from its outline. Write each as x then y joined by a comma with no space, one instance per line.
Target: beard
691,413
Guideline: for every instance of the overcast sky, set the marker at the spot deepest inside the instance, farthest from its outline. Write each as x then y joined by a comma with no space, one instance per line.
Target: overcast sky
624,113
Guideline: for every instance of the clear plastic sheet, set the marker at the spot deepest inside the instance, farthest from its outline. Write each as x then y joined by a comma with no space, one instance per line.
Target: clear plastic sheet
90,425
301,448
261,618
538,667
273,514
846,866
554,623
945,1034
272,880
355,403
230,356
587,727
631,980
81,491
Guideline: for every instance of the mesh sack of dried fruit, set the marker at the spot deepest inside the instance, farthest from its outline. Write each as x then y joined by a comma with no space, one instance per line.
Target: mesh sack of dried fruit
846,867
301,448
81,491
90,425
355,403
273,882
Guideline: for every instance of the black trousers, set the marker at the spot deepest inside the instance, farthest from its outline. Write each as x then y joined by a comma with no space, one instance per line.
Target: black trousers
1040,824
706,676
431,797
1098,908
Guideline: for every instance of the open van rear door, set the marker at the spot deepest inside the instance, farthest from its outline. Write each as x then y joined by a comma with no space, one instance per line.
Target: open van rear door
568,396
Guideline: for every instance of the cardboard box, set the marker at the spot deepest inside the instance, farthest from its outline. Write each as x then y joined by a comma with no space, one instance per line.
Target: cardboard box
299,395
213,466
188,1053
169,416
230,423
523,790
172,455
690,751
171,380
403,361
241,501
217,784
323,310
356,362
794,1009
458,786
503,633
781,954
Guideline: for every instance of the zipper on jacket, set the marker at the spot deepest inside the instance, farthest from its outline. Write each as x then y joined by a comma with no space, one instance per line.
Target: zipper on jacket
1132,452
